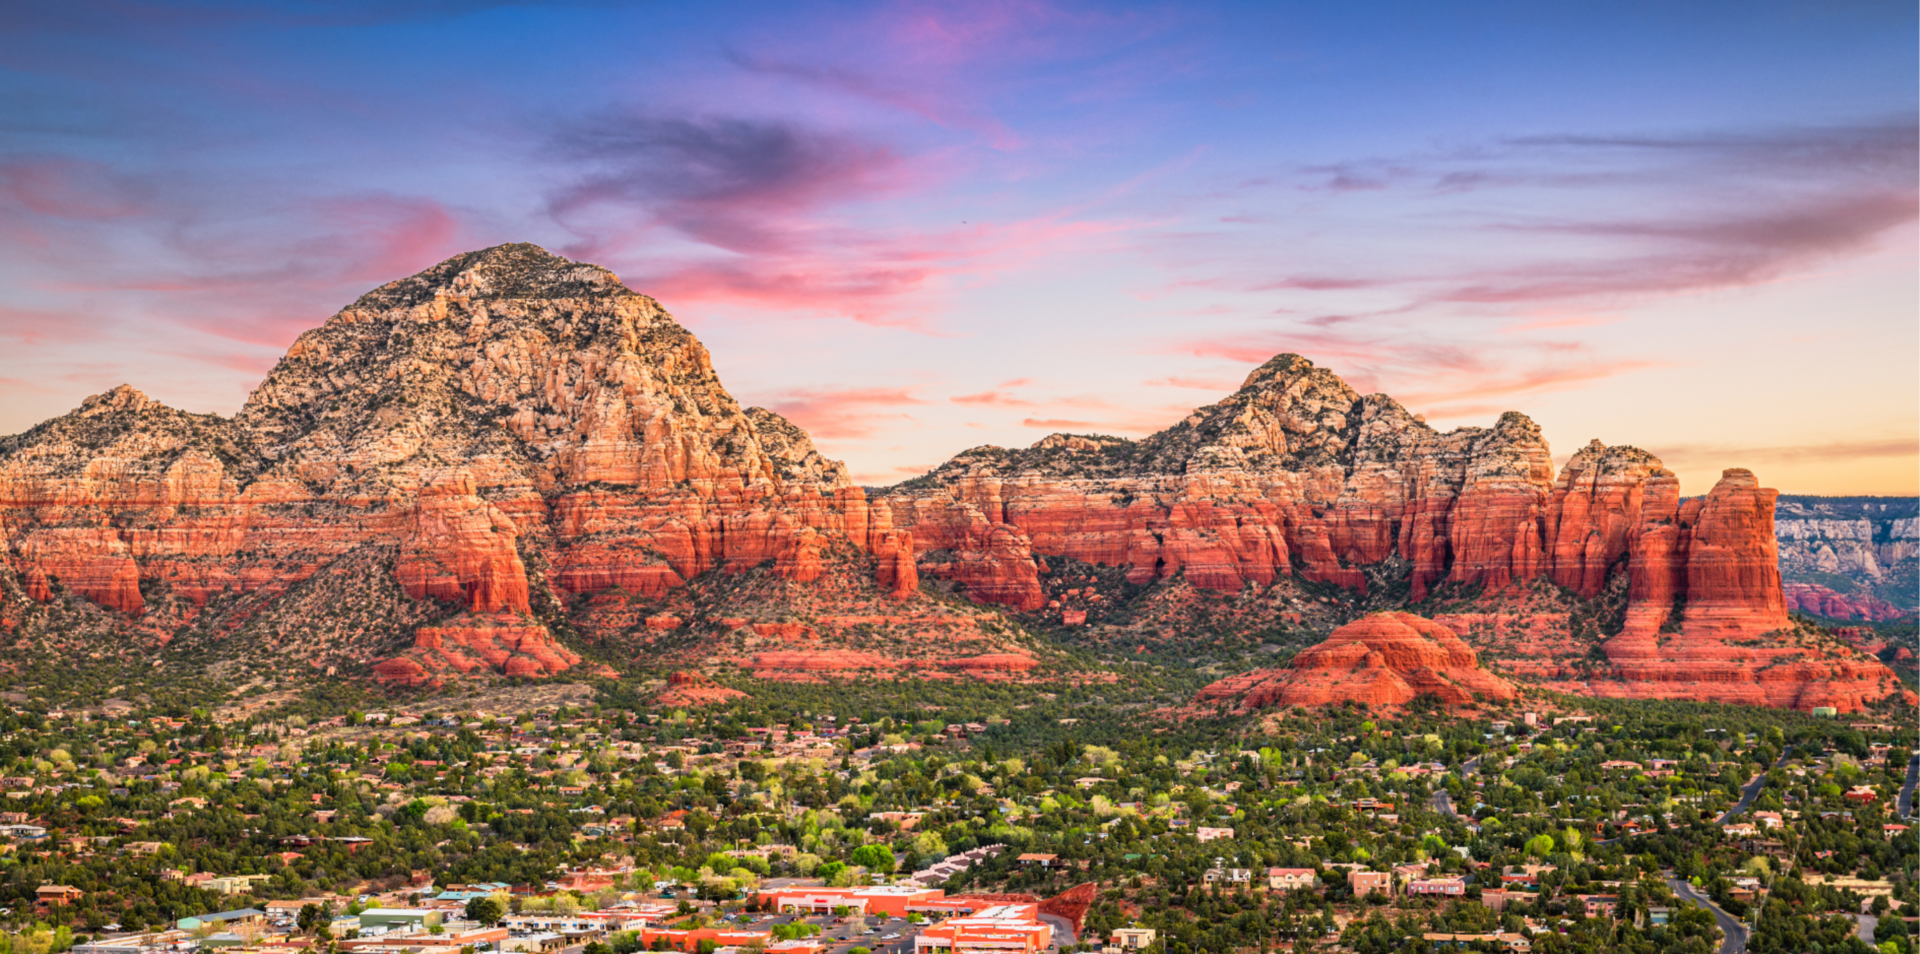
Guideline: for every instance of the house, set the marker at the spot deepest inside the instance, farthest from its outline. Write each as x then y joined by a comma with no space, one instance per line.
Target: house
1231,876
1600,905
1890,832
1446,887
1290,879
1206,834
57,894
1131,939
1033,860
1364,883
1862,794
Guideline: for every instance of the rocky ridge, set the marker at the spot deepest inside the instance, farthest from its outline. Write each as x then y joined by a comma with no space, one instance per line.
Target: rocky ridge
1296,475
511,465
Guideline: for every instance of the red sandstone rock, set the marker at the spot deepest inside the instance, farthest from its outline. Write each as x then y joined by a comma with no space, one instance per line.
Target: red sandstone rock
1733,562
508,645
894,558
693,689
503,404
1387,659
1822,601
458,547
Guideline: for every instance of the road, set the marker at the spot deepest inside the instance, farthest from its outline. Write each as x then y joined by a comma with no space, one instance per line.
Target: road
1752,790
1734,931
1905,803
1443,802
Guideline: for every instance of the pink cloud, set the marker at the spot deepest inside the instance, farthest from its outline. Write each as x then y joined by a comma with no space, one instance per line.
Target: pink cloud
39,326
991,398
1438,378
844,413
1716,454
1194,384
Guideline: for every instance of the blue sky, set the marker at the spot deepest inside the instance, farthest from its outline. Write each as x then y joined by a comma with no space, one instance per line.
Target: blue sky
920,227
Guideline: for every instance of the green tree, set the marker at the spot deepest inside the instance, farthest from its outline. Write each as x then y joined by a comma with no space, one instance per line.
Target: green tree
485,910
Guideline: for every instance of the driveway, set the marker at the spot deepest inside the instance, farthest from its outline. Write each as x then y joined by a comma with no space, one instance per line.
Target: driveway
1867,923
1905,802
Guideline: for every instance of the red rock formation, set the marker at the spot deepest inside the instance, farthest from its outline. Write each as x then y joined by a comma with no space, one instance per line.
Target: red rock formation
693,689
1597,512
1733,562
458,547
893,551
1293,466
1387,659
508,645
1822,601
503,406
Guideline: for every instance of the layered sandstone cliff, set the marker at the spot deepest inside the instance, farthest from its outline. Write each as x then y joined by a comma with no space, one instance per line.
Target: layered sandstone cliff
461,462
1295,474
504,408
1386,659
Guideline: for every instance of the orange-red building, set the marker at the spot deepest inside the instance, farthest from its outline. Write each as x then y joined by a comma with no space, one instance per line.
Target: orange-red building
689,940
894,901
1002,929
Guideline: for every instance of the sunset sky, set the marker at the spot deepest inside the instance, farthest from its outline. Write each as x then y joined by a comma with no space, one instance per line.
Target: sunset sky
915,228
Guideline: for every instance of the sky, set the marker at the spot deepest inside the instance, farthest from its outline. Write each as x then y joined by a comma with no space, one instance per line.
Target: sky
915,228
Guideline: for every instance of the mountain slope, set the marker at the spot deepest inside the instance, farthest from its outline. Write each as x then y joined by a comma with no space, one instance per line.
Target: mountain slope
510,465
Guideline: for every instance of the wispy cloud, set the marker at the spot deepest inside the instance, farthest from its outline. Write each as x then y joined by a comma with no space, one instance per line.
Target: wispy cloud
1699,455
847,413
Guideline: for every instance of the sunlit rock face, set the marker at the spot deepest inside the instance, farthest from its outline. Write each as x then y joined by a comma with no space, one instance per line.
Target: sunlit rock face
1386,660
506,406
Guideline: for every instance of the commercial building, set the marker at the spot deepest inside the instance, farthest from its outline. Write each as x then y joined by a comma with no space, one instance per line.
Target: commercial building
1002,929
894,901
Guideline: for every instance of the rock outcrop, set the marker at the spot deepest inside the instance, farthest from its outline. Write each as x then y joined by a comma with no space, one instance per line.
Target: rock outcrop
1852,558
504,409
1294,469
1296,474
429,484
1386,659
1822,601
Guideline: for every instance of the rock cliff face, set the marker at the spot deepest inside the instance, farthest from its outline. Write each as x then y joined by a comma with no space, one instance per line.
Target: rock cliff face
1822,601
1293,471
505,408
509,444
1296,474
1852,558
1387,659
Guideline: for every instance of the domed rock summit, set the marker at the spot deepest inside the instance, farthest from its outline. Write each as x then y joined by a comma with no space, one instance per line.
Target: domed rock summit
1384,660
